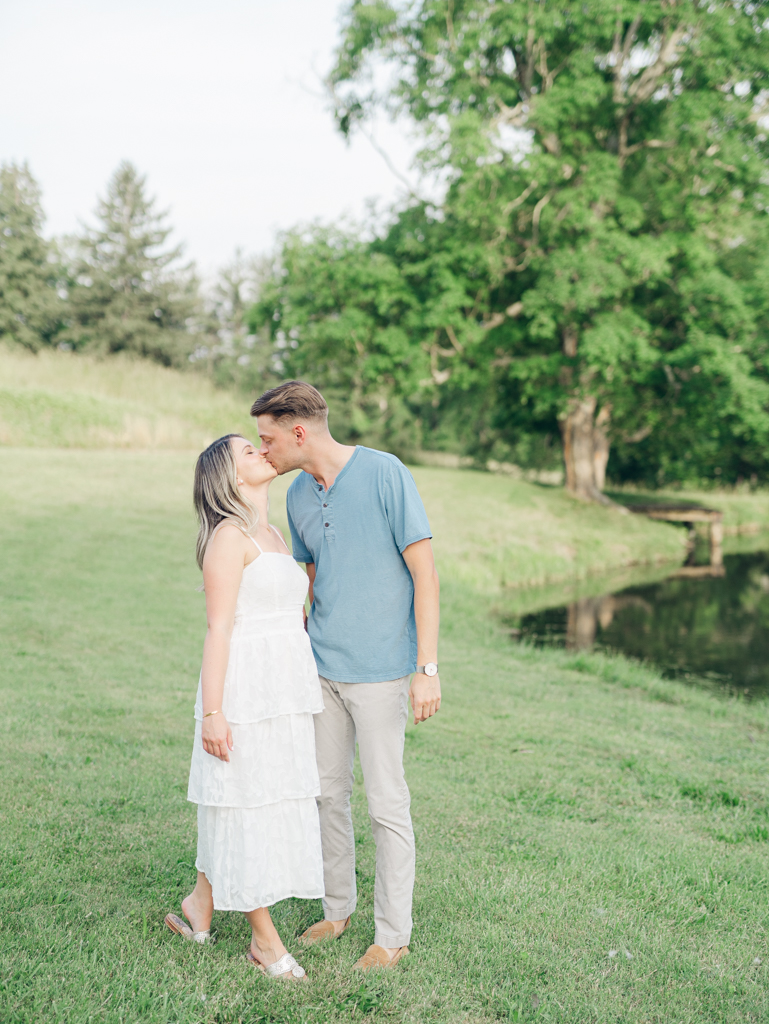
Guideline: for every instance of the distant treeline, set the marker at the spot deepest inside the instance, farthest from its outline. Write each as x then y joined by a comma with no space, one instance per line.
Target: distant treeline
117,287
593,286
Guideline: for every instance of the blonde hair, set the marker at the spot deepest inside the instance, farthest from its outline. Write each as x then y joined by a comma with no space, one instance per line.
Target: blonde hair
217,496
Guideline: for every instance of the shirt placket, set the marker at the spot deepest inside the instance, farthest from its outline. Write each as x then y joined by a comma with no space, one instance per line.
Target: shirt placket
326,513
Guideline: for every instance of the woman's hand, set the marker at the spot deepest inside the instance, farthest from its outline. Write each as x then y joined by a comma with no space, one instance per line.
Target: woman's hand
217,737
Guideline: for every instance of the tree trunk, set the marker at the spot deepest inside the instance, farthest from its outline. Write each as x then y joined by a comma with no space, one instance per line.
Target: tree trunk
586,449
601,446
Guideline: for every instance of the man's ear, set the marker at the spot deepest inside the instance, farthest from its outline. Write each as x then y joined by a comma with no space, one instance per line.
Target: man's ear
300,433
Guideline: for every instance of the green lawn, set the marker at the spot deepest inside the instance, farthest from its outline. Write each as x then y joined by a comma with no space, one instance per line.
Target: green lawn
592,841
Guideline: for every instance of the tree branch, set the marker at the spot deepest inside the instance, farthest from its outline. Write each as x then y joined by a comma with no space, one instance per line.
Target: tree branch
621,54
521,198
494,321
646,85
512,267
638,435
544,73
453,339
335,99
450,26
515,116
626,151
527,71
537,214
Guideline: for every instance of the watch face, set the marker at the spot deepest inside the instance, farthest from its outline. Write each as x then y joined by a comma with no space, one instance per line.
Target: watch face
431,669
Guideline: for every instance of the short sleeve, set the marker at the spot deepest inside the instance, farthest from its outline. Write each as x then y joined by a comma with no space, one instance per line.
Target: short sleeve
298,547
405,511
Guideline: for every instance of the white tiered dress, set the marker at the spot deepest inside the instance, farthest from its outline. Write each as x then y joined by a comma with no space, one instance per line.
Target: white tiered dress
258,829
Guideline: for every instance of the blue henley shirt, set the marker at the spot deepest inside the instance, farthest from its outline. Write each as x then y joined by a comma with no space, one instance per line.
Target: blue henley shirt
361,622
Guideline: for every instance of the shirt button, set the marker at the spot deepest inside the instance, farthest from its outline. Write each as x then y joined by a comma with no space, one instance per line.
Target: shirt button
325,504
325,524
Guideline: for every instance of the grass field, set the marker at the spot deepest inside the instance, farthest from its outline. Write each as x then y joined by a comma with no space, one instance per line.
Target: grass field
593,842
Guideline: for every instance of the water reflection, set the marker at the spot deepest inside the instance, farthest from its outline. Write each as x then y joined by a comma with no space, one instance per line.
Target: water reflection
703,622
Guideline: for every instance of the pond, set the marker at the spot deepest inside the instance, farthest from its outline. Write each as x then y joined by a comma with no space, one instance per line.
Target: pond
708,627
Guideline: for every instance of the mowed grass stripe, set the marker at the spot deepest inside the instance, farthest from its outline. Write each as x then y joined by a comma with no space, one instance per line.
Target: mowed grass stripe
566,806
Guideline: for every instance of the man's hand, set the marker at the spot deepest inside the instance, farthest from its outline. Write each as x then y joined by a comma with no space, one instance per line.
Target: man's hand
217,737
425,694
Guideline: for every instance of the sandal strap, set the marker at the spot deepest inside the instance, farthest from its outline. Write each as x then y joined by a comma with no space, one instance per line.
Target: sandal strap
283,966
180,927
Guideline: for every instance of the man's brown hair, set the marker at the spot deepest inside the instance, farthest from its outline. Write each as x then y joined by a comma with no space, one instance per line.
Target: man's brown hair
296,399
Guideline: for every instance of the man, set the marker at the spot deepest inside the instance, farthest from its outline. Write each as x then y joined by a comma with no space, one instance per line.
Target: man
359,525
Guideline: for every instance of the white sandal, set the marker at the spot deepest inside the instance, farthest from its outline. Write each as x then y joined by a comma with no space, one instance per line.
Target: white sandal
180,927
286,967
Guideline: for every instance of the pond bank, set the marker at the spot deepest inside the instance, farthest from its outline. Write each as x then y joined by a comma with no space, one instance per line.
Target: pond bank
745,511
709,629
501,537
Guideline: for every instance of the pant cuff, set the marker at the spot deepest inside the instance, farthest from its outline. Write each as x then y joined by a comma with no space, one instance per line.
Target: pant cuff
392,941
338,913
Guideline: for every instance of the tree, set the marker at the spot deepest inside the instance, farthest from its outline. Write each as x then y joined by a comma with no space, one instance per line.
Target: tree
128,292
364,318
344,314
232,353
609,160
30,309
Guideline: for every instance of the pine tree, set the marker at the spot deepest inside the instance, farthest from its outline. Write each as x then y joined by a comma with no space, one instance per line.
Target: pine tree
129,294
30,309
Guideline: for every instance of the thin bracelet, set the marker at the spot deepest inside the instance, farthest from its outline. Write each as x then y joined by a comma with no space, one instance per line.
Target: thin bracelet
213,713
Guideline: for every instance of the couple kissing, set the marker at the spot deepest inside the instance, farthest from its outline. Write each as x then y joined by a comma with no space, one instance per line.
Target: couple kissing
284,695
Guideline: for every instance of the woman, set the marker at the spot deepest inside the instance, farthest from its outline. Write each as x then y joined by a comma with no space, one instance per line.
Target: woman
253,773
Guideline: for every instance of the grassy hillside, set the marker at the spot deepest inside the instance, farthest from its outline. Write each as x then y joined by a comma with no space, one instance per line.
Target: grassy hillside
56,399
591,840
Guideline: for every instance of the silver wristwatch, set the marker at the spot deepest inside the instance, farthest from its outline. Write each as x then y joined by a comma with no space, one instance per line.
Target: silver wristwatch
430,669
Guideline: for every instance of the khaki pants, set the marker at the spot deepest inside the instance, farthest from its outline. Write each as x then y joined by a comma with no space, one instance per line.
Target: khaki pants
375,714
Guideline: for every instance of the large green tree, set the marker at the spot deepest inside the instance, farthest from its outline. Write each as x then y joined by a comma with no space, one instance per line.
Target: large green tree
365,319
607,160
30,309
336,310
129,292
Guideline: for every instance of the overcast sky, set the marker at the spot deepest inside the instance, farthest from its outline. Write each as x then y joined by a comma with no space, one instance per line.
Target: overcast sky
219,104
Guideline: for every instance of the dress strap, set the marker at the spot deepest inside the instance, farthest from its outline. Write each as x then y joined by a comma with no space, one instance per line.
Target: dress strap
255,544
277,534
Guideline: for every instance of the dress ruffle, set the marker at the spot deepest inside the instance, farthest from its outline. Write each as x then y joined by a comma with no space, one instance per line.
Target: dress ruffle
271,760
260,666
256,856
